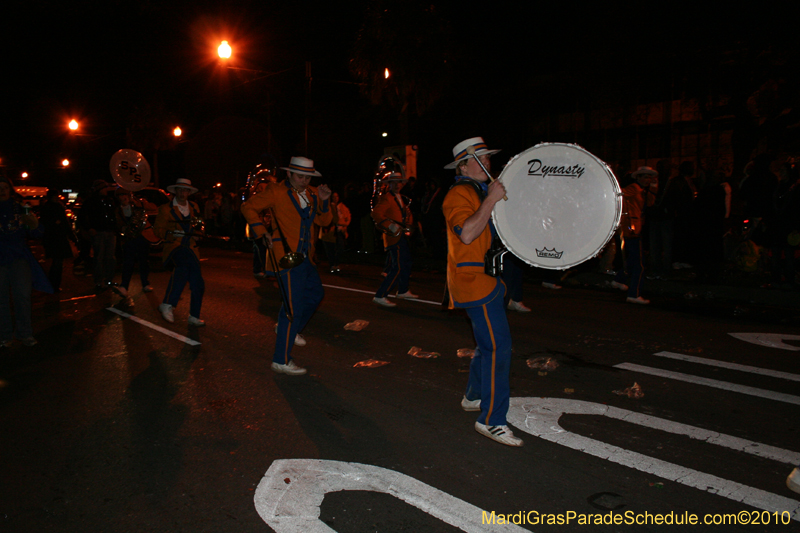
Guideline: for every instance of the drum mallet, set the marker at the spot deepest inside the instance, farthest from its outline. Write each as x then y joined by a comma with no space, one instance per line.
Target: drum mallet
471,151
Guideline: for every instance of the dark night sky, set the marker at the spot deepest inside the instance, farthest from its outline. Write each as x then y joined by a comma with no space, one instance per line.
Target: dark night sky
98,60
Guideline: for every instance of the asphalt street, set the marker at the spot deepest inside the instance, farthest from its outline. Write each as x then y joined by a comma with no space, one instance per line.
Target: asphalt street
119,421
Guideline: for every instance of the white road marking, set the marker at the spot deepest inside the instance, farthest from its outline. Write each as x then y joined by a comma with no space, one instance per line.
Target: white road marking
539,417
771,340
289,496
150,325
732,366
373,293
724,385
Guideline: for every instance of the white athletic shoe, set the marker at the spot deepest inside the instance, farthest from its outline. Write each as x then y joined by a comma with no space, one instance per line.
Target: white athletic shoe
618,285
384,302
299,340
519,307
501,434
196,322
166,312
408,295
290,370
638,300
470,405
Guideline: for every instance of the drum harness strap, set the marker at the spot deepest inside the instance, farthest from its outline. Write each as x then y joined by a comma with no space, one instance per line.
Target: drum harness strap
493,260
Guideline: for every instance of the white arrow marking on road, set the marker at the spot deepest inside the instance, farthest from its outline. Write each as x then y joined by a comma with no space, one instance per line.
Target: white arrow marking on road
373,293
724,385
732,366
771,340
539,417
150,325
289,495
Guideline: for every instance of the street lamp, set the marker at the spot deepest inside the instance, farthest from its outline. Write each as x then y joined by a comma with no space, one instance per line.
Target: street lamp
73,125
177,131
65,163
224,50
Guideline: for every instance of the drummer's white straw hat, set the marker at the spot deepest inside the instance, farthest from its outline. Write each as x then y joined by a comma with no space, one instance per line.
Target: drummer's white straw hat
460,150
182,183
302,165
644,171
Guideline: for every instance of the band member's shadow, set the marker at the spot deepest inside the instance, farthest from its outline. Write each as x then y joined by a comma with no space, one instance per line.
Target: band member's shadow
339,429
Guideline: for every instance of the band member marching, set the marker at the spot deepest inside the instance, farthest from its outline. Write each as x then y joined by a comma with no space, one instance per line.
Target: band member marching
393,217
297,207
467,209
131,220
177,223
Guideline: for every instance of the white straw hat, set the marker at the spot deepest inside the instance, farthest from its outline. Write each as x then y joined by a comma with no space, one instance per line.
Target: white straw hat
460,150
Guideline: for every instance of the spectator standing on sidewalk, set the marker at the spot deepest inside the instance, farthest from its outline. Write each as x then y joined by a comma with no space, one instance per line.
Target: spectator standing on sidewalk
19,270
57,235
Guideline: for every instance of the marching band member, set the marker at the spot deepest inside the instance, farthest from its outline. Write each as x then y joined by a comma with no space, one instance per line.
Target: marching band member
467,209
131,215
297,207
175,224
392,215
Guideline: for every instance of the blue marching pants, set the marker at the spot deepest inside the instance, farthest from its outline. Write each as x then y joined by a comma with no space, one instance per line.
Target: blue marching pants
490,368
399,270
187,269
304,290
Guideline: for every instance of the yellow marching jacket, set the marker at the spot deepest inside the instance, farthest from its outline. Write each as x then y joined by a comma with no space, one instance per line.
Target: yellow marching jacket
295,222
175,229
386,211
468,283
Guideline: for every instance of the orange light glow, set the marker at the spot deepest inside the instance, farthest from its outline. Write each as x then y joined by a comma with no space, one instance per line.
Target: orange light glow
65,163
177,131
73,124
24,175
386,73
224,50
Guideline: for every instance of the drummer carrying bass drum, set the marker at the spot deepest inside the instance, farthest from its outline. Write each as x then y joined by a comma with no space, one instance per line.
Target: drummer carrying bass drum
467,210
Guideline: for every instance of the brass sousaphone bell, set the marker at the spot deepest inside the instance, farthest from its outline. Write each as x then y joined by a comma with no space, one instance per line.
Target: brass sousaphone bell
389,169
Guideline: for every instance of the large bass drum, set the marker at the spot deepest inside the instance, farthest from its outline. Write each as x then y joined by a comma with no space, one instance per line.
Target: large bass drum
564,204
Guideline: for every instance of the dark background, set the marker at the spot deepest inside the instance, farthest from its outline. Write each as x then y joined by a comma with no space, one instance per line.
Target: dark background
130,71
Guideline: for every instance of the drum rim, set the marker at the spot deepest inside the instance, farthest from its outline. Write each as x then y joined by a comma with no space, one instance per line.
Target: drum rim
617,216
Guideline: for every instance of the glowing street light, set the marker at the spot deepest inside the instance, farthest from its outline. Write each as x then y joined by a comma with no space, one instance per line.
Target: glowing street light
386,73
177,131
224,50
24,175
384,134
73,125
65,163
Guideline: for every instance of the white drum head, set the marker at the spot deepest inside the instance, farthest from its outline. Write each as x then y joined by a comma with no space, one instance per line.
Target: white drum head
564,204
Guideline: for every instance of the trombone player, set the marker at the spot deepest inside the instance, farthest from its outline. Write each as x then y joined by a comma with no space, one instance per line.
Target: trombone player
296,207
392,216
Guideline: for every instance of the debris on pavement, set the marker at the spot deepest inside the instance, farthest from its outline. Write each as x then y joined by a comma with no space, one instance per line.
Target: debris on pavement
356,325
370,363
417,352
465,352
545,364
634,391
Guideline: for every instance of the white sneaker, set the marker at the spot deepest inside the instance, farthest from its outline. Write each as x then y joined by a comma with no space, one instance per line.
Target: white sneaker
638,300
550,285
166,312
384,302
618,285
299,340
470,405
518,307
501,434
793,481
408,295
196,322
291,369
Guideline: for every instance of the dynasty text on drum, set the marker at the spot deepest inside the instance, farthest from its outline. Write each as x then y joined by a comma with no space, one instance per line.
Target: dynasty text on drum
539,169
